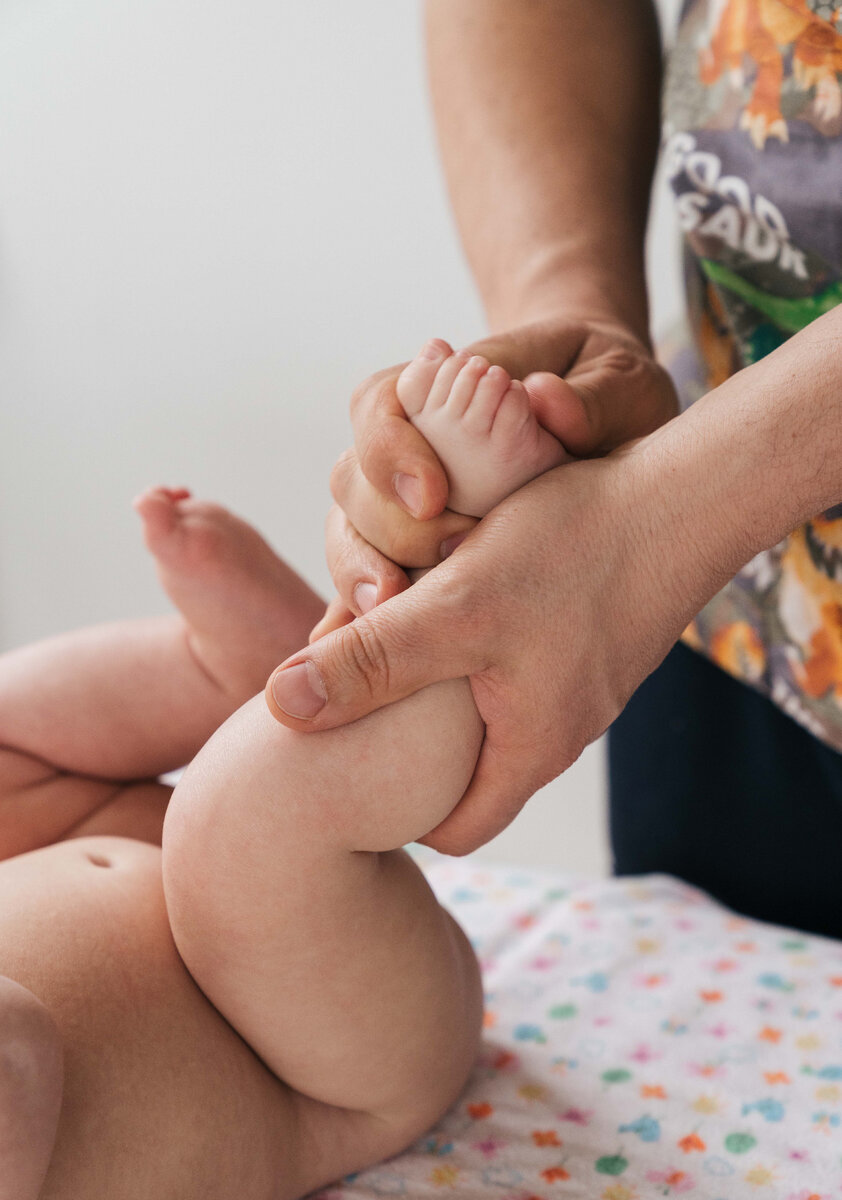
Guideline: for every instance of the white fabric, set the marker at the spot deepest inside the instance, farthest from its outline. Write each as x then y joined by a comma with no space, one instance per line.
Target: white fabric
641,1042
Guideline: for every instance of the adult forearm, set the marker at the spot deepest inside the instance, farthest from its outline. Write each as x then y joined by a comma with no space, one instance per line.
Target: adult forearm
750,461
547,112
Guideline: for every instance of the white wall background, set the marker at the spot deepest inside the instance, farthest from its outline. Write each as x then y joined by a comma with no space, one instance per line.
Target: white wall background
215,219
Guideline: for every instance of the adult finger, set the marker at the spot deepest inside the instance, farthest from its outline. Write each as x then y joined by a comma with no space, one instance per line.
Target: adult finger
501,784
386,526
362,576
541,346
523,749
626,395
417,638
605,403
335,616
559,408
395,458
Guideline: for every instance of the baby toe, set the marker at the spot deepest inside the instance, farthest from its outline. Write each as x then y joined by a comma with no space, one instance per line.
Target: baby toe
417,378
490,389
464,389
157,510
446,377
513,411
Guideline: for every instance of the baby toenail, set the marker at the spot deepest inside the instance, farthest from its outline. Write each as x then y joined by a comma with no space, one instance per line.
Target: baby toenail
299,691
431,351
365,596
408,489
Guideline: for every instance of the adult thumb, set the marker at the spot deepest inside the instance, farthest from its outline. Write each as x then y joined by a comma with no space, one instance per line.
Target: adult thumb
391,652
603,404
560,409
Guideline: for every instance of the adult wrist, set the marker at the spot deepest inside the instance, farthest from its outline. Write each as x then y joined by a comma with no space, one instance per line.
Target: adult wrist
571,289
691,522
540,338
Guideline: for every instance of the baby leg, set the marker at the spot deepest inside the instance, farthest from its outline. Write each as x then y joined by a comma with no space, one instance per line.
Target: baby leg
314,935
134,699
89,718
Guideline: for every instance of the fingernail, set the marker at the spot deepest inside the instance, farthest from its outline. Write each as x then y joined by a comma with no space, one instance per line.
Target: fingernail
449,544
430,351
299,691
365,596
408,489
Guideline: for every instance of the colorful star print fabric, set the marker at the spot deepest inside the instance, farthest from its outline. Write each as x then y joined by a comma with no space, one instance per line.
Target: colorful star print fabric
753,125
640,1042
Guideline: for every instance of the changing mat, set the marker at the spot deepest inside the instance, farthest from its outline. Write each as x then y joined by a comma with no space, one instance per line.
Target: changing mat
640,1041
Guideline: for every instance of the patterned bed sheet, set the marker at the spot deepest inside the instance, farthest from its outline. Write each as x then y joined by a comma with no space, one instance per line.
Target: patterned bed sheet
640,1041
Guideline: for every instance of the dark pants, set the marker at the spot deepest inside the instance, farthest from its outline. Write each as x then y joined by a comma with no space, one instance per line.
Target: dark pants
712,783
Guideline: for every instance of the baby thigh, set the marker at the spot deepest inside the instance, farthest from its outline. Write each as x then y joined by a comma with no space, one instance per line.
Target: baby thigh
161,1097
312,933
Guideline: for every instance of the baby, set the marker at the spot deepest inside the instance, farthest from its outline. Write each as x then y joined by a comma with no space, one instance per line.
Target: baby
322,1010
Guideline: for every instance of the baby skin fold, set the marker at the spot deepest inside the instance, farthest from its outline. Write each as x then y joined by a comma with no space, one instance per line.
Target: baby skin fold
274,998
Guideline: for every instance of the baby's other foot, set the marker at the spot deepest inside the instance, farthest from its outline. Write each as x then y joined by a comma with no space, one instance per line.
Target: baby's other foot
245,609
480,424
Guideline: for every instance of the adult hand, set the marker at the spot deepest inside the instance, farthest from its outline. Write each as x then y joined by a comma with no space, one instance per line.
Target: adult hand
555,609
391,490
521,607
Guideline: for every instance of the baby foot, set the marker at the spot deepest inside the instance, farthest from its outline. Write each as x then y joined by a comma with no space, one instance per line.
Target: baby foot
480,424
245,609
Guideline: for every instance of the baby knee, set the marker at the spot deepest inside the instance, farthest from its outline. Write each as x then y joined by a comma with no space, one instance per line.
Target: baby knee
31,1052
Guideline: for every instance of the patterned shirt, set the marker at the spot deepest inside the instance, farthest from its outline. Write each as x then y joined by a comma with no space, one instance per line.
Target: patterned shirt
753,111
